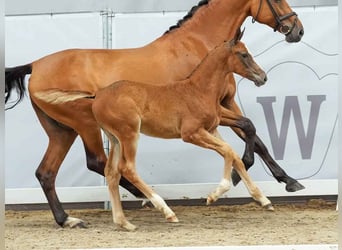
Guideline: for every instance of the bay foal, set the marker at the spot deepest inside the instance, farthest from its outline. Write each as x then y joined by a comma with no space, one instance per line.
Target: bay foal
189,109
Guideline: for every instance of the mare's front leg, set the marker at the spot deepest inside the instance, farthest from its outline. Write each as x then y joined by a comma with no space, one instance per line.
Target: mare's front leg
245,128
279,174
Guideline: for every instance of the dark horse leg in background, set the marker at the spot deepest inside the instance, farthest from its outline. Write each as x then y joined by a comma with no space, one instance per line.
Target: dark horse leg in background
279,174
249,136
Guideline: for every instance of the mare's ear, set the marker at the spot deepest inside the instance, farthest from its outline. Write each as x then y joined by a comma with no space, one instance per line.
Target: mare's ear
237,37
239,34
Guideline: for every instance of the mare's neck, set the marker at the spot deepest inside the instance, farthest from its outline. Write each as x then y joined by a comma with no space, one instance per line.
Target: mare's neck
210,25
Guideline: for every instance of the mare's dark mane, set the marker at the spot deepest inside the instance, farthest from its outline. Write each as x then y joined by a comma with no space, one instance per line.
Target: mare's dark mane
188,15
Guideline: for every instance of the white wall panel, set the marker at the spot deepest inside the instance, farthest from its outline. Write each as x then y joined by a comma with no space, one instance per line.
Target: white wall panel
29,38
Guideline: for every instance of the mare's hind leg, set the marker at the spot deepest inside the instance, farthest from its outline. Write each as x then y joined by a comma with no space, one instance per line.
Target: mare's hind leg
60,141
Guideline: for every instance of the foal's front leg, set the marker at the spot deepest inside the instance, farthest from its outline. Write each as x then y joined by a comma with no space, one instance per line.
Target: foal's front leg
203,138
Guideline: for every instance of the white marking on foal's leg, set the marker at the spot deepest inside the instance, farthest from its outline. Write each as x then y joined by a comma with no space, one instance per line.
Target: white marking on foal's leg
260,197
73,222
266,203
223,187
161,205
146,203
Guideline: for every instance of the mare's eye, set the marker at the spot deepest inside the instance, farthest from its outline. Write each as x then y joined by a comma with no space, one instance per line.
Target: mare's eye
244,55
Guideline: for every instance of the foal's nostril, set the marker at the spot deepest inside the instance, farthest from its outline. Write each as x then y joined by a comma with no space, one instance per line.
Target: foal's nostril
265,79
301,32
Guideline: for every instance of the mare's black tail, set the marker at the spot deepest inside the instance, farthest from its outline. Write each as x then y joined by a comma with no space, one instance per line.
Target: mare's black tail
15,80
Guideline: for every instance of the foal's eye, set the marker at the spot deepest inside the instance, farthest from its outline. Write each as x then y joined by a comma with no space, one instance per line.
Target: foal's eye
277,1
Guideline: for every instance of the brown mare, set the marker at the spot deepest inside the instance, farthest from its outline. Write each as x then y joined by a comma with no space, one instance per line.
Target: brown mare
173,56
189,109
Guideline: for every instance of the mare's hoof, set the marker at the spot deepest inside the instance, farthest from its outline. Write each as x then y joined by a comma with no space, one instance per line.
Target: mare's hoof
294,186
74,223
172,219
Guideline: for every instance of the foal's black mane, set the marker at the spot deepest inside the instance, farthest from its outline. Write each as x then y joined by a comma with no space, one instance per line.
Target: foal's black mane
188,15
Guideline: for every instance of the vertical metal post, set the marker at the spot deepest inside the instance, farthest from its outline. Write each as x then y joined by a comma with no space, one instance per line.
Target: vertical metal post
107,39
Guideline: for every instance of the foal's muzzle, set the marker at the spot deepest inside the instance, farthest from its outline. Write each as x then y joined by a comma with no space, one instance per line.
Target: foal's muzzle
260,79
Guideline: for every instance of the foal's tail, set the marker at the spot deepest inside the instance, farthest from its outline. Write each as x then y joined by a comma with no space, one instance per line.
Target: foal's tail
15,80
58,96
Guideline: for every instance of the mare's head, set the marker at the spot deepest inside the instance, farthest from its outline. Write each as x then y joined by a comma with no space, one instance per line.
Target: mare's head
241,61
278,15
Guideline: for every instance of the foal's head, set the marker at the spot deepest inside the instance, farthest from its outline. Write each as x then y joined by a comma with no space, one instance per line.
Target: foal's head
242,62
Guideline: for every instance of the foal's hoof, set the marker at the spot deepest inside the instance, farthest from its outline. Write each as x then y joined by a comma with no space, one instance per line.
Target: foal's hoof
211,200
293,186
269,207
128,226
74,223
172,219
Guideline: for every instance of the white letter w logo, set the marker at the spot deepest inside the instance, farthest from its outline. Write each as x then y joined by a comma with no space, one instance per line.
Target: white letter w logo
305,140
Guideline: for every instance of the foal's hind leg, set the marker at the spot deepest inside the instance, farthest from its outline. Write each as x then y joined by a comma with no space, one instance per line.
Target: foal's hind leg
128,139
113,176
96,157
60,141
128,170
